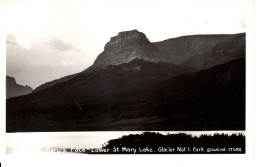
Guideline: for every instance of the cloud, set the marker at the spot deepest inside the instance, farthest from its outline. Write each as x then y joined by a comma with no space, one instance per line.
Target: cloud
45,60
58,44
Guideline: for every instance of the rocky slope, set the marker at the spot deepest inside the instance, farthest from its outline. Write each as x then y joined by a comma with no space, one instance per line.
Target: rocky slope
13,89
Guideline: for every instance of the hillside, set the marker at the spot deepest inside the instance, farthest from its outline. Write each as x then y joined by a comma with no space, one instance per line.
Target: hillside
212,99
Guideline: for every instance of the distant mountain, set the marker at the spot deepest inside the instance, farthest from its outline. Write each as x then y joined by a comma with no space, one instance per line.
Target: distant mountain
186,83
13,89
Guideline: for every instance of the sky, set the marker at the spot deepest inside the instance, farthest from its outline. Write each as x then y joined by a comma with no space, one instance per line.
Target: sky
46,40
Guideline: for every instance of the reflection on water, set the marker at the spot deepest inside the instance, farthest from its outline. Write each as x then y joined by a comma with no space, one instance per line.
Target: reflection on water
56,142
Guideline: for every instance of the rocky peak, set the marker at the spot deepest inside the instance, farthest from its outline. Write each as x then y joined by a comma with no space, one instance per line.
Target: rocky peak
126,46
127,39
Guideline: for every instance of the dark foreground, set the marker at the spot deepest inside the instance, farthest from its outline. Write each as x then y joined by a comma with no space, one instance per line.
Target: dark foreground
212,99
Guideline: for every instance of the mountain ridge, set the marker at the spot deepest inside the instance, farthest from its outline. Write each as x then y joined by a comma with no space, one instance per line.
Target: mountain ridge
168,51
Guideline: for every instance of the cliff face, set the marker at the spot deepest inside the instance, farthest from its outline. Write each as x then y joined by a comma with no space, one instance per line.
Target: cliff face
202,51
127,46
13,89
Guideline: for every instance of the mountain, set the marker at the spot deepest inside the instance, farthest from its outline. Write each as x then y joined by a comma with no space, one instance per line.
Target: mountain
132,85
13,89
194,52
125,47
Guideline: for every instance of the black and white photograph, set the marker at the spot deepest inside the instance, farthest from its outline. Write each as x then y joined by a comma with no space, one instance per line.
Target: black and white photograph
126,77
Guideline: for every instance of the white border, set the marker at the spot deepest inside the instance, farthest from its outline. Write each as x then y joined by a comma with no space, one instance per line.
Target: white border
2,81
127,160
249,81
